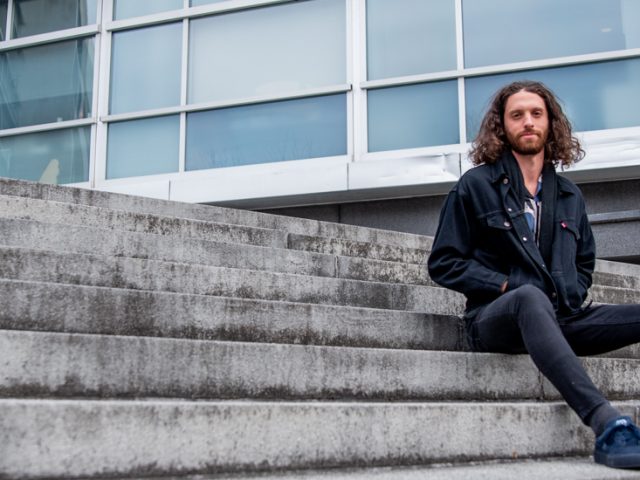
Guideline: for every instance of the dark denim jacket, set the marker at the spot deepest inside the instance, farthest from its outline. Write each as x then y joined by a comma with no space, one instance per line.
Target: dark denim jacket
483,239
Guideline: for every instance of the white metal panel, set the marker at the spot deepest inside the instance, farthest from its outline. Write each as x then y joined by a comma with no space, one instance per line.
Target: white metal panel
153,189
404,171
259,181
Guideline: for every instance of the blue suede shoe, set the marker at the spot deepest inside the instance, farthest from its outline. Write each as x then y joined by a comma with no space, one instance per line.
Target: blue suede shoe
619,444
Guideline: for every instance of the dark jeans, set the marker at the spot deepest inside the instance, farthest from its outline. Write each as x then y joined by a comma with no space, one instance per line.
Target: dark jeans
523,321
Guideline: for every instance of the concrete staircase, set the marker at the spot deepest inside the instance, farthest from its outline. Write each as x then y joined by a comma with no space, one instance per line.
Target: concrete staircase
145,338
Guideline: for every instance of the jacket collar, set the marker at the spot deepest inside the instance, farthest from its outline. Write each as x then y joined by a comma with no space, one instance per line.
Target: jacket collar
498,173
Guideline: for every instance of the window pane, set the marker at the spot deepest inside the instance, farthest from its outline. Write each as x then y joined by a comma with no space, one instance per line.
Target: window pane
143,147
596,96
48,83
267,50
408,37
3,18
145,68
135,8
269,132
551,29
58,156
31,17
413,116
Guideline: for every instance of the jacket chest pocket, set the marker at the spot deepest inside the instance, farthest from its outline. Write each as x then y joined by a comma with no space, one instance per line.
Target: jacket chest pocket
498,233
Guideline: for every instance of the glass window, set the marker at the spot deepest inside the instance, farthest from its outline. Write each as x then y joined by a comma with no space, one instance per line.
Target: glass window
413,116
268,132
3,18
595,96
136,8
57,156
551,29
408,37
145,68
267,50
48,83
143,147
31,17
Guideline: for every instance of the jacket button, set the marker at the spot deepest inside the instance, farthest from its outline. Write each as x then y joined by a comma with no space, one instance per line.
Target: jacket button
505,181
507,224
509,209
553,295
524,239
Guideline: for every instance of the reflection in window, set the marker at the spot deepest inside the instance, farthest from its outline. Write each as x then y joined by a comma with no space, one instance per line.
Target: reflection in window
413,116
269,132
31,17
143,147
409,37
594,96
145,68
551,29
3,18
136,8
48,83
57,156
270,50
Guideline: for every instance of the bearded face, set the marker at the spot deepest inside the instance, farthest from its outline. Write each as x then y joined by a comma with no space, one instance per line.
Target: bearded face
526,123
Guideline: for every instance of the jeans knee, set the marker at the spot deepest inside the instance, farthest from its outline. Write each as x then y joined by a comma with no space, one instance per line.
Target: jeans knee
530,298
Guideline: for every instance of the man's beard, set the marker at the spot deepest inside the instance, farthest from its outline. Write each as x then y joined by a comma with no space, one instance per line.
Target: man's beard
528,146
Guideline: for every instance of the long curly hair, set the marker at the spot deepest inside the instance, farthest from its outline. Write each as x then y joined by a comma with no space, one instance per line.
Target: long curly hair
561,146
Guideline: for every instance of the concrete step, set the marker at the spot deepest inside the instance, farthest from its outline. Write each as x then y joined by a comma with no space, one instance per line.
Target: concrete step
81,239
83,438
42,364
207,213
54,307
71,214
573,468
142,274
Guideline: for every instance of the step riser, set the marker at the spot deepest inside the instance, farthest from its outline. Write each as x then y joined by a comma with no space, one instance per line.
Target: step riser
69,238
46,364
142,438
209,213
18,264
70,214
74,309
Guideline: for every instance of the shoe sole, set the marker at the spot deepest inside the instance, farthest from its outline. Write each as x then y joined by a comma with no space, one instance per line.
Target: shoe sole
619,460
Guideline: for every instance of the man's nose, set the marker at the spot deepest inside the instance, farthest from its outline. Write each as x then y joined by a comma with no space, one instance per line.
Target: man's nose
528,119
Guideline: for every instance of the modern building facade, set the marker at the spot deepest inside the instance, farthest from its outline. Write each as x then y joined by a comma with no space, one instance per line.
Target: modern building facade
350,110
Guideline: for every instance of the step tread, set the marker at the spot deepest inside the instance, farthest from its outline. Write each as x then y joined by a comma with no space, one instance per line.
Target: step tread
209,213
119,438
57,364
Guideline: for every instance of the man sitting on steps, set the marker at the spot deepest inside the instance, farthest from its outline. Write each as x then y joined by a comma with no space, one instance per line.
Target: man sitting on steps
515,240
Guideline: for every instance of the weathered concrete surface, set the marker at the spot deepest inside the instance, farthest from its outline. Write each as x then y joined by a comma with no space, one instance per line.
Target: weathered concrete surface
57,193
51,364
84,309
54,364
176,248
90,438
72,214
142,274
349,248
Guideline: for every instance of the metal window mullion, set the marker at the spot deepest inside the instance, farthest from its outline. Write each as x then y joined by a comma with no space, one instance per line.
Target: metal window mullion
106,39
183,93
8,33
462,121
49,37
43,127
359,65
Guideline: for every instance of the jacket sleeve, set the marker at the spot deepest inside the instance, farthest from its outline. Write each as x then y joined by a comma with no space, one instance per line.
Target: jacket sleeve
452,263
